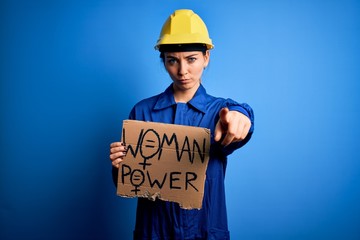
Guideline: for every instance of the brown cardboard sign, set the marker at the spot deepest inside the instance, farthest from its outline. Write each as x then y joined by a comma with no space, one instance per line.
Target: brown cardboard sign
164,161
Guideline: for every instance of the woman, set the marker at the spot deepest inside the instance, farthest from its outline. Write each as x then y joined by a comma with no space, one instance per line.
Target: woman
184,46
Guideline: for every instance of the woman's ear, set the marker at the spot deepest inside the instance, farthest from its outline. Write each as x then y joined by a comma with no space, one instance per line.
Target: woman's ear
206,58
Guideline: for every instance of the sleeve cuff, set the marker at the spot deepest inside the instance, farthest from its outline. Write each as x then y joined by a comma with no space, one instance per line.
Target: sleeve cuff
239,109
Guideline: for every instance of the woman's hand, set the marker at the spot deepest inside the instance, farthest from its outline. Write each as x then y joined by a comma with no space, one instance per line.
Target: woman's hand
233,124
117,153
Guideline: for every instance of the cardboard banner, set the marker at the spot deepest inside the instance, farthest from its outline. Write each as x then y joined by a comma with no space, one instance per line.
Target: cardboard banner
164,161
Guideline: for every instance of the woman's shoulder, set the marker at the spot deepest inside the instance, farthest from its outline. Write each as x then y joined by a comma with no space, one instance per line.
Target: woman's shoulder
148,103
165,97
143,108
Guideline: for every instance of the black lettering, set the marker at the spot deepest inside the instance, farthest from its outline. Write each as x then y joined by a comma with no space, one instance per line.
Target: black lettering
152,183
196,148
201,153
186,148
174,179
189,179
151,146
124,139
137,178
169,142
123,173
130,148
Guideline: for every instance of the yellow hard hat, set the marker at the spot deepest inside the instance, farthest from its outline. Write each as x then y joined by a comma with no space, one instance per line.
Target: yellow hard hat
184,27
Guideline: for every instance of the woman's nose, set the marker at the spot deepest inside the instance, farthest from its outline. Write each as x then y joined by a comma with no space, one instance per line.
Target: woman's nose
182,71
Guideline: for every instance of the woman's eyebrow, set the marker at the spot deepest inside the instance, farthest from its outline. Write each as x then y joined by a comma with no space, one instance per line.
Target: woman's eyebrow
191,55
169,56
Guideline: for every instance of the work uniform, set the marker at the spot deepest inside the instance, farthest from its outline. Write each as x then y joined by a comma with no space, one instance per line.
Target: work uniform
166,220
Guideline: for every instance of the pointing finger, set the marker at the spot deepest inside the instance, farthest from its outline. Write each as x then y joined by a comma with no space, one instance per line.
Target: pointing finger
223,115
218,131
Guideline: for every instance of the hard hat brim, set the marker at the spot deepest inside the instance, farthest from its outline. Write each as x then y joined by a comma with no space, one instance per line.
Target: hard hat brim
183,47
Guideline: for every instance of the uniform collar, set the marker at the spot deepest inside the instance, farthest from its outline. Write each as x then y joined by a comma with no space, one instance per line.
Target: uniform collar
166,99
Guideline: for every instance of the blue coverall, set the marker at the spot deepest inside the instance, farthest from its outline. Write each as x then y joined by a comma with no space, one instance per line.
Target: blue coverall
166,220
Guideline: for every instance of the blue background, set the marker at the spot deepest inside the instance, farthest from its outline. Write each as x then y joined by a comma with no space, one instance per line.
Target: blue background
72,70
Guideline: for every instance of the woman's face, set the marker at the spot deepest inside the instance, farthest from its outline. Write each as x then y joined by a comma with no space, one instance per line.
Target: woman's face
186,68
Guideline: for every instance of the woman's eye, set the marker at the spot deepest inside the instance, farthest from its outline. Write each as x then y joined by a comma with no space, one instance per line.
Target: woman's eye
171,61
191,59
